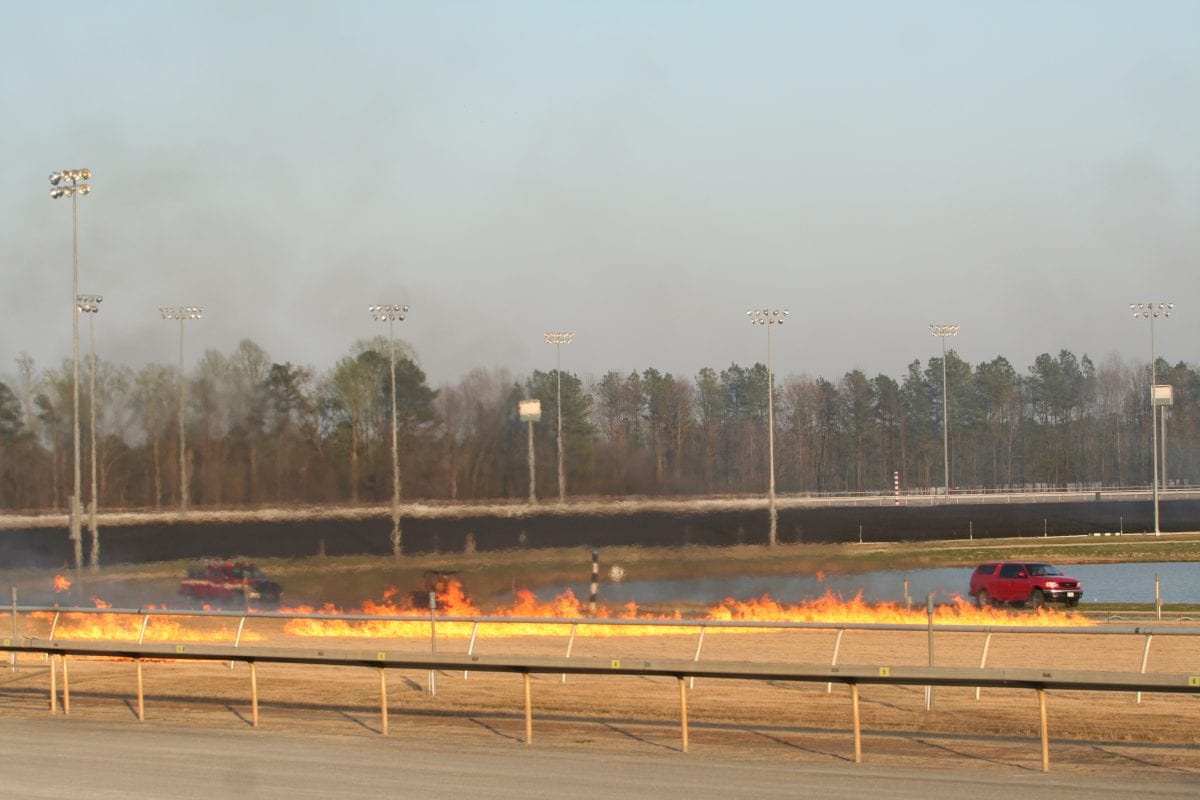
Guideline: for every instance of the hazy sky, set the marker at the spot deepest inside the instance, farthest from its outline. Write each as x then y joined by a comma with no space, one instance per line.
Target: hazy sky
638,172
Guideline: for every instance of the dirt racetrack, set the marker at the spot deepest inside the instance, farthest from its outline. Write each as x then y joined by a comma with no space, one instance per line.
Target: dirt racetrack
798,722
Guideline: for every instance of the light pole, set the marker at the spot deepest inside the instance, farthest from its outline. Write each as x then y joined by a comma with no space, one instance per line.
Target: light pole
558,339
390,314
90,304
71,183
182,313
1153,311
770,317
942,331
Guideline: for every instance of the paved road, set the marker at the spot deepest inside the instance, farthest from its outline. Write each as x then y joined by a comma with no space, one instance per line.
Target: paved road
101,760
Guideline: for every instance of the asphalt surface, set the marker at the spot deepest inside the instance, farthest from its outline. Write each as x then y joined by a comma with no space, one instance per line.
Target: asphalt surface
57,757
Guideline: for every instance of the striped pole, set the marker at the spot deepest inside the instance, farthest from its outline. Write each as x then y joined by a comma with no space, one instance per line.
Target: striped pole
595,580
896,482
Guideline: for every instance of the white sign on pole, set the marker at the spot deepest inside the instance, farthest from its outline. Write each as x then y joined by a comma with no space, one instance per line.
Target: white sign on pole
530,410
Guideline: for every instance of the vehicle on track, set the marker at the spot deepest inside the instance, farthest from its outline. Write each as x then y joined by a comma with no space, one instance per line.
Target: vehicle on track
226,580
1025,583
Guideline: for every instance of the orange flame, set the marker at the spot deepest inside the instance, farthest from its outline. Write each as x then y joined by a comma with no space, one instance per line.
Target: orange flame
61,584
828,608
128,627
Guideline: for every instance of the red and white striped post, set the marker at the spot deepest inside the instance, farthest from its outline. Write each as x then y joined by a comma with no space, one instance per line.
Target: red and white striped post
595,580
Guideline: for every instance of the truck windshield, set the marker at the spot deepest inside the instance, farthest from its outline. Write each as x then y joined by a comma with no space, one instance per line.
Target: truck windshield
1043,569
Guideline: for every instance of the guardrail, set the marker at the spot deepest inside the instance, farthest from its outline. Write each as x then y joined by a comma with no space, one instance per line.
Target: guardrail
381,660
572,626
431,509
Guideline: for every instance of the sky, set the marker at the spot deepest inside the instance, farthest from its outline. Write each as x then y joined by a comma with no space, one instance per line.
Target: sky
639,172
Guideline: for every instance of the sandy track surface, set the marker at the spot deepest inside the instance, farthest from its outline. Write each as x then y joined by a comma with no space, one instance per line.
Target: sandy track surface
804,723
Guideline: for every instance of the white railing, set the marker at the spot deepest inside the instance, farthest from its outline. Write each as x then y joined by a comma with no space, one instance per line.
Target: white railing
852,676
568,627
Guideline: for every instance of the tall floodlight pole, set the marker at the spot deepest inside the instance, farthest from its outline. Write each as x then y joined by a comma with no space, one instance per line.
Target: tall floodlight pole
391,313
1153,311
558,339
182,313
770,317
90,304
942,331
72,183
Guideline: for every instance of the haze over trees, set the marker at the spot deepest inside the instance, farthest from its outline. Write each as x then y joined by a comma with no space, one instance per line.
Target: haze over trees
261,433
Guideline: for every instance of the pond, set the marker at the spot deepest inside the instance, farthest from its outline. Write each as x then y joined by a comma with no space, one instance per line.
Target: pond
1102,583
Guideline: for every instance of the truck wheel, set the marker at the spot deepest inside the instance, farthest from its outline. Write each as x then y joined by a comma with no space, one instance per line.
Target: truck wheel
1037,599
982,599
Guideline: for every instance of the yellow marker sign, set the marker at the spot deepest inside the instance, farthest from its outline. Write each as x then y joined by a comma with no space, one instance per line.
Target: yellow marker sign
885,672
7,642
178,648
616,664
1193,680
381,656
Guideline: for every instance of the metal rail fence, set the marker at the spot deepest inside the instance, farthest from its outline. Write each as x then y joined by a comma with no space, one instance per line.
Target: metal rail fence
431,509
381,660
572,625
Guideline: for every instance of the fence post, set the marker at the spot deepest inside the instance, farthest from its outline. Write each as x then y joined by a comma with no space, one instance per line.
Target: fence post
471,646
237,640
837,644
570,644
432,641
528,711
383,709
983,658
253,695
929,613
696,657
1145,660
1157,597
53,688
857,724
683,720
141,702
66,687
1045,731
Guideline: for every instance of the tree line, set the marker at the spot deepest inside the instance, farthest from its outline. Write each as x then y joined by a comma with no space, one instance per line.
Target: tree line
260,432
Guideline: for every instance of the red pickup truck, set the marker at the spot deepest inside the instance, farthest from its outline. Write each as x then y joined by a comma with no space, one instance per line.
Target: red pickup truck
224,580
1020,582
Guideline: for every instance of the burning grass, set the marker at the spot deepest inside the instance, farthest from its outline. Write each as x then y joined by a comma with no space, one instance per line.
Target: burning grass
559,613
123,627
829,608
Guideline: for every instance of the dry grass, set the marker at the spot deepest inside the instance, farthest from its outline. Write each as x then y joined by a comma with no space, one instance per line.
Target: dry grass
802,722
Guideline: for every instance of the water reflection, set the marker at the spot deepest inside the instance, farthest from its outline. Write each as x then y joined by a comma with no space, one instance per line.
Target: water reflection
1102,583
